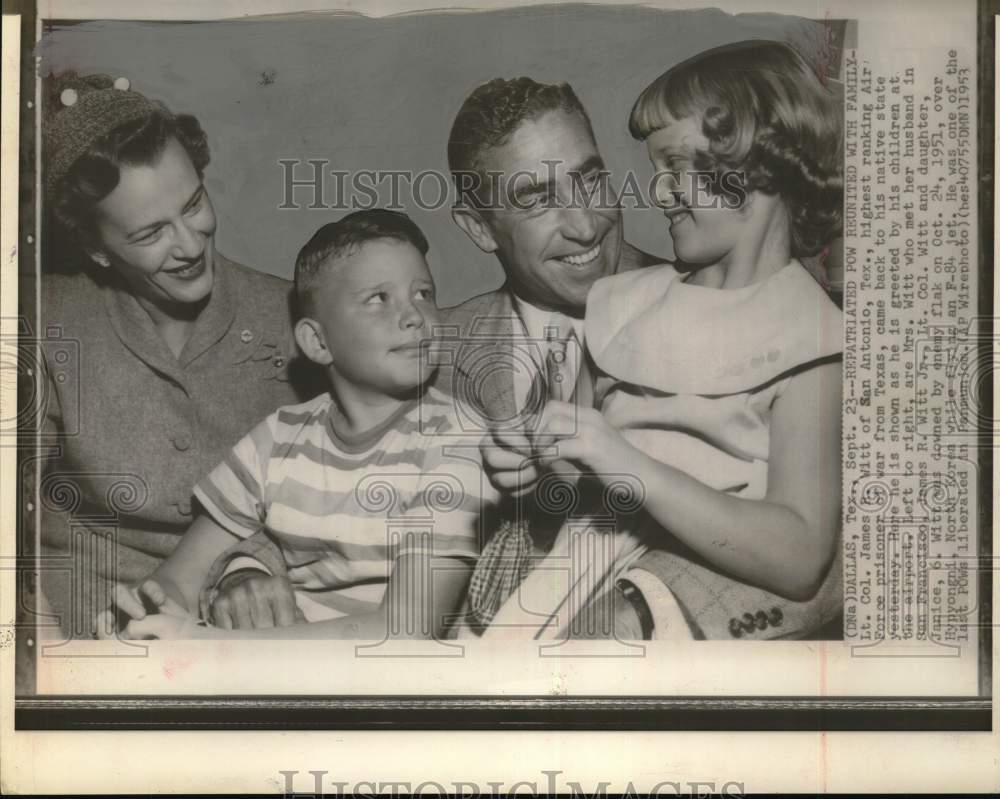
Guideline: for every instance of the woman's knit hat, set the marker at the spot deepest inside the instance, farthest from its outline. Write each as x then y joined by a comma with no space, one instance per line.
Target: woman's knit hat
81,110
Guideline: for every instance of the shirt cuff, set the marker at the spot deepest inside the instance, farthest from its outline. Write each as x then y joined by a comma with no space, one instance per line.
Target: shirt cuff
669,623
242,562
211,590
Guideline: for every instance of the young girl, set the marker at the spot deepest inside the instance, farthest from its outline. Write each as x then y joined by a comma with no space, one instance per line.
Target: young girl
720,378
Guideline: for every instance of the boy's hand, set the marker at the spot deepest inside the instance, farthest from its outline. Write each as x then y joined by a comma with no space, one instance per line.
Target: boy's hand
131,602
255,600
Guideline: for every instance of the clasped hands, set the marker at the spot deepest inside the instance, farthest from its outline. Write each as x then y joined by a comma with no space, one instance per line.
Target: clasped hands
568,440
245,600
145,610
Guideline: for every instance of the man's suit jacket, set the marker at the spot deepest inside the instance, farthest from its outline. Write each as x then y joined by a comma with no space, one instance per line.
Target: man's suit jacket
483,342
716,605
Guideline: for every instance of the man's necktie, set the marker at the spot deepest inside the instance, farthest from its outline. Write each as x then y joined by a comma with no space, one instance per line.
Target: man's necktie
557,369
566,383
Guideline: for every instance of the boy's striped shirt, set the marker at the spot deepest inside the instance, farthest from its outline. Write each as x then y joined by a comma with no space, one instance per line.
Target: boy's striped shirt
343,510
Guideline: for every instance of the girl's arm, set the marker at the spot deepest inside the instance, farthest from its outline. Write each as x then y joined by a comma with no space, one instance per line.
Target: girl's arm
783,542
422,592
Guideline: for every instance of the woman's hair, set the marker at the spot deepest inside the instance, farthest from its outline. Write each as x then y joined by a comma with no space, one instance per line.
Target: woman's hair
765,115
95,173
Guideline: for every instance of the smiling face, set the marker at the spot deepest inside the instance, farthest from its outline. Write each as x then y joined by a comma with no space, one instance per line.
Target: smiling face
706,229
551,247
374,306
156,229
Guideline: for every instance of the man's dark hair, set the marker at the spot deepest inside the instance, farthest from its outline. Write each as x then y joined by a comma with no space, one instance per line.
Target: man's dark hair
493,112
344,237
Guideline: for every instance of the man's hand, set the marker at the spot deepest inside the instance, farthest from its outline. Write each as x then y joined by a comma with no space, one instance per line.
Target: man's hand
508,459
584,437
514,462
254,600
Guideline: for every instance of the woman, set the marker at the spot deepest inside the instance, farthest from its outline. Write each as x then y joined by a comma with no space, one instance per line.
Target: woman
169,351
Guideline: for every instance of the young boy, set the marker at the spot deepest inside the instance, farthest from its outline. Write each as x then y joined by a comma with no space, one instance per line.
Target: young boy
374,520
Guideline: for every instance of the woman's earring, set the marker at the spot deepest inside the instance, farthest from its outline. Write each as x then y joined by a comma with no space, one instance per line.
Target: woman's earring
101,259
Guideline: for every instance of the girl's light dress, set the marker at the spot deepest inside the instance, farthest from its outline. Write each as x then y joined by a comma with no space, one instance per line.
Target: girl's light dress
690,375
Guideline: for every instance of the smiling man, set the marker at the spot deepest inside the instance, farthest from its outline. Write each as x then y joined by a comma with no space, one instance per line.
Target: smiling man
524,159
532,148
531,152
533,190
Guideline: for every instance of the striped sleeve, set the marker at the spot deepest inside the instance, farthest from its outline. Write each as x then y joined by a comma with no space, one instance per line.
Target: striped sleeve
234,492
452,491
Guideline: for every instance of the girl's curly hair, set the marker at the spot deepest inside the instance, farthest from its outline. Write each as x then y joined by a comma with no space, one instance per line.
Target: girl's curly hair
766,115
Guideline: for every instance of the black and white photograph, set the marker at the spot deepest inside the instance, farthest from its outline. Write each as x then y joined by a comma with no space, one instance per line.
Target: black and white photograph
558,367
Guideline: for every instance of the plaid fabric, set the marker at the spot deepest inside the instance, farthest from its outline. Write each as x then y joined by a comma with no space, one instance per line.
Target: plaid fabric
504,563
